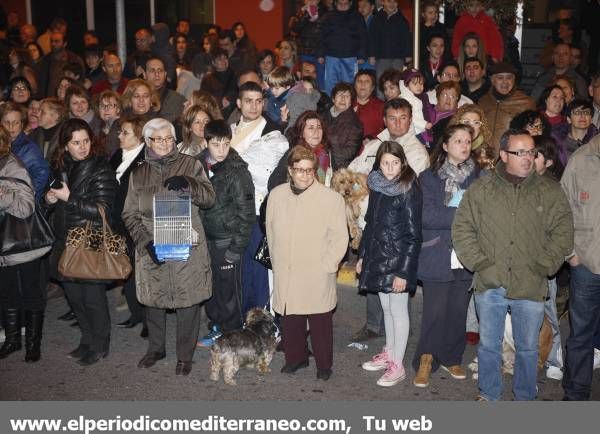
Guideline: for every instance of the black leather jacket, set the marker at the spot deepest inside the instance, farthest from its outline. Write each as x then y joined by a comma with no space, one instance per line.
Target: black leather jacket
391,240
91,182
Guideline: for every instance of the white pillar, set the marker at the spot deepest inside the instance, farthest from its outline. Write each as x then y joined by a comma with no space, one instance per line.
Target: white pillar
28,11
89,14
519,28
121,39
442,17
417,33
152,13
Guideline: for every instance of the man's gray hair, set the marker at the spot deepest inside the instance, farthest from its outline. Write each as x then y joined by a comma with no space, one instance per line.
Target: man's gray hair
154,125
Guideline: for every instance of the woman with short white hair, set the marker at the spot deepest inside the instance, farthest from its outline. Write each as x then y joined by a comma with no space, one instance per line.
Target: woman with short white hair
180,285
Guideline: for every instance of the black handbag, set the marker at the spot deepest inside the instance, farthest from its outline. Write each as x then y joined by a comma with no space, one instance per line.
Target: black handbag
262,253
25,235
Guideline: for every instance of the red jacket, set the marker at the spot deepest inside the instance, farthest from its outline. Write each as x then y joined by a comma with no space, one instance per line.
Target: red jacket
487,30
103,85
371,116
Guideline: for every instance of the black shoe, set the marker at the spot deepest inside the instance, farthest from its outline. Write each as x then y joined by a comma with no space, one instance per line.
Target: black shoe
150,359
68,316
34,322
324,374
364,334
79,352
144,333
128,324
183,368
12,330
290,369
92,357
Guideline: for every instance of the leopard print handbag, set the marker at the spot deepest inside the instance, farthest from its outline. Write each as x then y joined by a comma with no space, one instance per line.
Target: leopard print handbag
94,254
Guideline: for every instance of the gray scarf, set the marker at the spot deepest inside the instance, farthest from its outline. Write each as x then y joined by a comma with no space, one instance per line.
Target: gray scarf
454,176
379,183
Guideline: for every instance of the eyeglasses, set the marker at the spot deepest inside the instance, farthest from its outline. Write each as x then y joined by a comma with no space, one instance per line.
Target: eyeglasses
20,87
107,106
532,153
84,142
470,122
161,140
581,113
449,96
537,127
450,76
8,124
301,171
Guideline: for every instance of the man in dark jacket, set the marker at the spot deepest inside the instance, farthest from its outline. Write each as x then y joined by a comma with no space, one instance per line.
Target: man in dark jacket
475,84
171,102
51,70
308,24
513,229
228,225
389,39
344,41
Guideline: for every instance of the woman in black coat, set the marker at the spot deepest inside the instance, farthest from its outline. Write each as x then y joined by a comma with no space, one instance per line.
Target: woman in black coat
130,155
86,182
389,252
445,282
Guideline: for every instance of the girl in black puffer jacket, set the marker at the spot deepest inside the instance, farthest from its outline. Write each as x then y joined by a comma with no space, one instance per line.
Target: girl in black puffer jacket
87,181
389,252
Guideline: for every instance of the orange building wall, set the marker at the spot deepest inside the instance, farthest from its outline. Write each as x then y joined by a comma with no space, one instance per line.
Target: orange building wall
18,6
264,28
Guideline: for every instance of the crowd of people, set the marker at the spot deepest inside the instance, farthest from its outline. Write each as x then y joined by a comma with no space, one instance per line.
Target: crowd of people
481,194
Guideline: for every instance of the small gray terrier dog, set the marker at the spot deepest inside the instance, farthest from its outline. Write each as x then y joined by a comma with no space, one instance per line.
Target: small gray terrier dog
252,346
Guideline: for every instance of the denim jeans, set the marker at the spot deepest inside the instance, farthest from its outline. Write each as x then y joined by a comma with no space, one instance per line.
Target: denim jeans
339,69
555,357
526,317
584,315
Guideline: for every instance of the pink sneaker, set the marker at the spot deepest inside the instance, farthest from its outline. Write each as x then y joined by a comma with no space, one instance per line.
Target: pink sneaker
393,375
378,362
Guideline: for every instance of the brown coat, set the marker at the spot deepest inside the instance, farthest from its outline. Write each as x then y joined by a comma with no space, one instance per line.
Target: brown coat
499,113
308,238
174,284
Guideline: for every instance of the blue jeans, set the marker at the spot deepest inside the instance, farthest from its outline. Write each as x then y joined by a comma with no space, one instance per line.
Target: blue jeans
526,317
584,316
555,357
339,69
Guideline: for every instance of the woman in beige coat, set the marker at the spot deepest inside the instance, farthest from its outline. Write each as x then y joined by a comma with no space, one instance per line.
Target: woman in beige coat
308,237
179,285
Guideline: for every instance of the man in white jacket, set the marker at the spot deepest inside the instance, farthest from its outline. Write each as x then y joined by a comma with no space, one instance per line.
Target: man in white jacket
261,145
397,117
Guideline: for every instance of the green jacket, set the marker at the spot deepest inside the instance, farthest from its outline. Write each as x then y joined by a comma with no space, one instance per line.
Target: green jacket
513,236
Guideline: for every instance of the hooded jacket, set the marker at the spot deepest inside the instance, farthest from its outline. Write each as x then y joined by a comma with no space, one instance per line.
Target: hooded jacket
229,221
391,240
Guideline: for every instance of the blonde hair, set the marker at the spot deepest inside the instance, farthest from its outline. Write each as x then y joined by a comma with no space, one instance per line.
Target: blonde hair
207,102
132,87
187,119
281,76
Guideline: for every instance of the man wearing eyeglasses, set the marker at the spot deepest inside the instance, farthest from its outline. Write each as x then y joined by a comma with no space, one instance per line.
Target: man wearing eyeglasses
582,185
503,101
513,229
449,72
576,132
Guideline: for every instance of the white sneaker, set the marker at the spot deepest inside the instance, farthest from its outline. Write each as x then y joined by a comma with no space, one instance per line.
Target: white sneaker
596,358
393,375
554,373
379,362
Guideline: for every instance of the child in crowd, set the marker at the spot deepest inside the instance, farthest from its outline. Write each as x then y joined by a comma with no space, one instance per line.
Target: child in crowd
412,89
227,226
388,257
280,80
